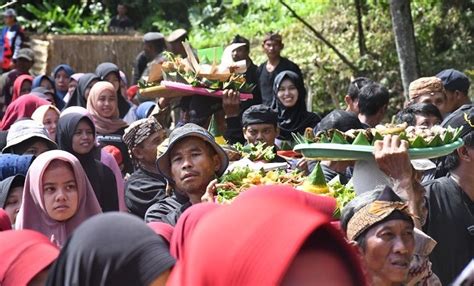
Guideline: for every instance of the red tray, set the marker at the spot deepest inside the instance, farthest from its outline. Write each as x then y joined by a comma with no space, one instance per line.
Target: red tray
200,90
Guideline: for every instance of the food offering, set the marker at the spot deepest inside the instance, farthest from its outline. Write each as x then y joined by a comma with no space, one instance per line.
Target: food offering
182,77
255,152
240,179
357,144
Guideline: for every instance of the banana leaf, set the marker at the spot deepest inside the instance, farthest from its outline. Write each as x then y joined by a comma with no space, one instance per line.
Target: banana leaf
435,141
361,139
338,138
418,142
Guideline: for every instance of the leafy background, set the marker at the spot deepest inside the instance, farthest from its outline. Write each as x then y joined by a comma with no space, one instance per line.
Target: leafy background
444,32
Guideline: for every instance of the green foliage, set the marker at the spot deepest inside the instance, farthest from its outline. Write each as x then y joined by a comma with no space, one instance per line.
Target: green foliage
81,18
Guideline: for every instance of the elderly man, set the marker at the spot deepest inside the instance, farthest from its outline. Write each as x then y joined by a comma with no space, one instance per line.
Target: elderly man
192,160
428,90
145,186
456,85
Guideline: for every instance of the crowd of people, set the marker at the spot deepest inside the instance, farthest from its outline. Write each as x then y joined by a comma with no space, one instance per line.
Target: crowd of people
102,186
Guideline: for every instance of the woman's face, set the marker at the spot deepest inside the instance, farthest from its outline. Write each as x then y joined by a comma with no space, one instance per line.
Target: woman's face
46,84
72,86
113,79
88,88
287,93
25,87
107,104
61,80
60,192
50,121
388,251
13,203
83,138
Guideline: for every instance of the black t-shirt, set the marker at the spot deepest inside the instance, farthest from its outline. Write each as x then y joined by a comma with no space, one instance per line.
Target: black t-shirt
450,214
168,210
142,190
265,78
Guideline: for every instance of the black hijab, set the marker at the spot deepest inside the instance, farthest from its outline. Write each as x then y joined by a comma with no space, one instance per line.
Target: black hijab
96,172
111,249
294,119
7,184
102,71
78,96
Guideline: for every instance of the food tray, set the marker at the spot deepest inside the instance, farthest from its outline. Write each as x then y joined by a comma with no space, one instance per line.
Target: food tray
161,91
344,152
191,90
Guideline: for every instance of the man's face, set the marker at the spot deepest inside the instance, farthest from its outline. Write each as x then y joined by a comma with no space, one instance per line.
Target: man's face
177,48
262,132
23,65
272,48
146,150
149,50
241,53
121,10
8,20
193,165
436,98
428,121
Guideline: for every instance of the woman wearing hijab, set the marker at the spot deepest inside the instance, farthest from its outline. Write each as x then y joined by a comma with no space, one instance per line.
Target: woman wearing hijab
26,257
144,109
104,157
102,105
11,192
267,240
48,115
76,135
43,81
111,73
22,107
383,229
112,249
72,86
289,100
62,75
22,85
81,93
57,196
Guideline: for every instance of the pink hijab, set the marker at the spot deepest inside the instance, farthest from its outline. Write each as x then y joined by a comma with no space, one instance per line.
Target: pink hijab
24,106
18,83
32,214
104,125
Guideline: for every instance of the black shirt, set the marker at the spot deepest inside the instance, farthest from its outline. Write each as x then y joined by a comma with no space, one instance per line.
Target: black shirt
116,140
142,190
265,78
139,67
450,213
168,210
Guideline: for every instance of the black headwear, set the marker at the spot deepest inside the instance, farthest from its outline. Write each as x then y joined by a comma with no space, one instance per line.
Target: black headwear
111,249
7,184
102,71
258,114
78,96
294,119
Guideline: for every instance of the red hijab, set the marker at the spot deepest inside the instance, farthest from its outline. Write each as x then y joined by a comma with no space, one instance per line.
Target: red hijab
185,227
5,223
24,254
254,240
24,106
18,83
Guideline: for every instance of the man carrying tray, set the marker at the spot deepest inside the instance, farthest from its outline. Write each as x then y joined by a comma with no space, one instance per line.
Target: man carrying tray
259,123
192,160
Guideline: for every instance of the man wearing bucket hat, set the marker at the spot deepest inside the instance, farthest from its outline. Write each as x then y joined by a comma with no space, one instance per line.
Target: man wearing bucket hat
192,160
28,137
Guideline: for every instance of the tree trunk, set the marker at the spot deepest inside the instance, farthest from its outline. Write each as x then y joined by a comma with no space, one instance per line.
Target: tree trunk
405,41
360,28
